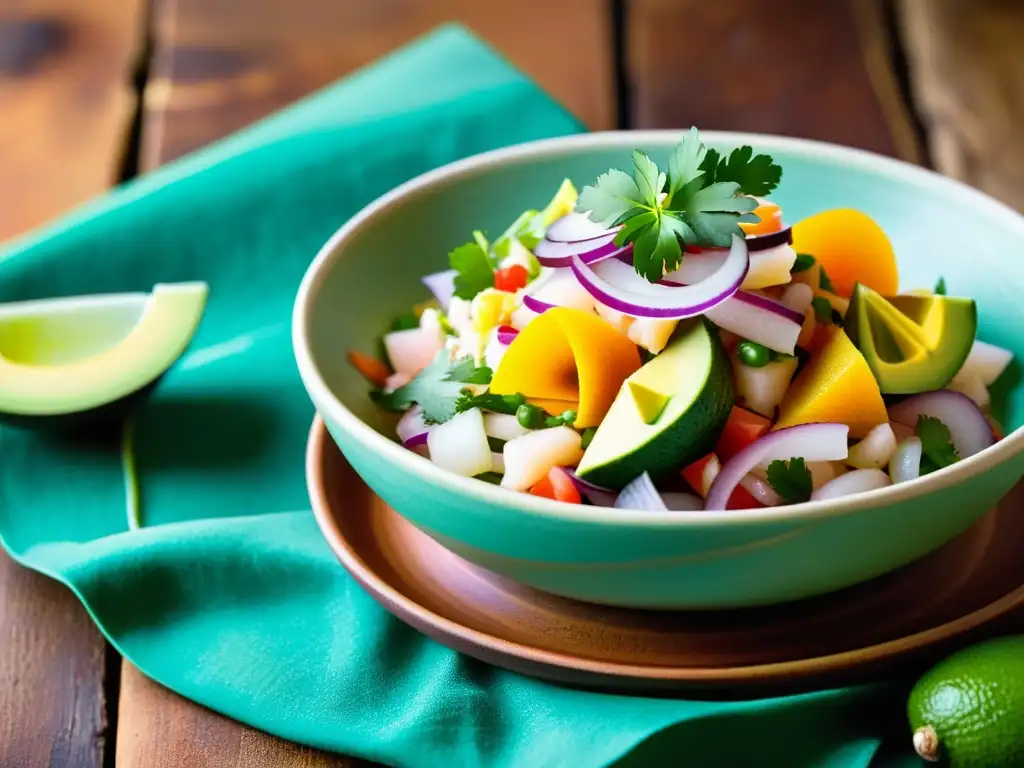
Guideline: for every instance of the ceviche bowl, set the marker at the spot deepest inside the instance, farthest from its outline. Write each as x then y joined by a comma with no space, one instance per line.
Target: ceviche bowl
611,488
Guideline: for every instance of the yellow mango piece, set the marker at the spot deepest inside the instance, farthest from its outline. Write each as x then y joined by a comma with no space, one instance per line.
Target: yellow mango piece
837,385
567,358
851,248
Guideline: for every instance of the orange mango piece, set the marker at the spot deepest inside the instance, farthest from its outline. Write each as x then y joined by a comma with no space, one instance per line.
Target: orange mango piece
837,385
771,220
568,358
851,248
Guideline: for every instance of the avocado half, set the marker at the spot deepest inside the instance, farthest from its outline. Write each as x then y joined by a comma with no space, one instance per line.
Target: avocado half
64,359
912,343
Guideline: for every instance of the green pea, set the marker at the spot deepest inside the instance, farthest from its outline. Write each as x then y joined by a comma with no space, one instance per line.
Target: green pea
588,436
530,416
753,354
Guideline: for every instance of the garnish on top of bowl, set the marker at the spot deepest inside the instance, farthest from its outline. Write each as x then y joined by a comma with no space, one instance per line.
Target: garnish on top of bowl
664,341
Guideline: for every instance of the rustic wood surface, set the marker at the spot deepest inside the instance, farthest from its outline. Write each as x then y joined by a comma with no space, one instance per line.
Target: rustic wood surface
67,100
824,70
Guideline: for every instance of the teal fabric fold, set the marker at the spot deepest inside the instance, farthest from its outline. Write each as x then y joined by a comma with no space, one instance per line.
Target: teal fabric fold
228,594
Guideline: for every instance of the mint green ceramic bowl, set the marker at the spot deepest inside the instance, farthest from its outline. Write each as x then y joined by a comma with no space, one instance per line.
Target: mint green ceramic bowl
369,272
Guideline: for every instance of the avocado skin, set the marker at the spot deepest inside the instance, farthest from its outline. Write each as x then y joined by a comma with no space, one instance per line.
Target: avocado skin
83,423
675,447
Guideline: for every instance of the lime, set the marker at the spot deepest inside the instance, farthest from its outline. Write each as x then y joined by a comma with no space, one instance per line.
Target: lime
968,710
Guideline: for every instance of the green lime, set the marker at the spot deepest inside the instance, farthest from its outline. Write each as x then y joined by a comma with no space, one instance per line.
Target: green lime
968,710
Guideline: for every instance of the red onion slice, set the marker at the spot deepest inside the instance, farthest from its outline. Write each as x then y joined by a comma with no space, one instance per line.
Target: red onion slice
535,304
442,285
967,424
764,242
506,334
633,295
551,254
576,228
759,319
411,428
597,495
767,267
416,440
812,442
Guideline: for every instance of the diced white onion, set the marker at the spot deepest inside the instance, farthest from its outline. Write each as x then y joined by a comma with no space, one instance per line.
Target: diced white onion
987,361
651,333
760,490
460,444
503,426
905,463
797,297
530,457
858,481
968,382
762,389
875,450
412,350
641,494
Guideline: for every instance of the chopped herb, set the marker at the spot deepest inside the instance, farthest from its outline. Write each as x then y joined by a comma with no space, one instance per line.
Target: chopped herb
437,389
475,271
534,417
823,309
588,437
405,322
823,282
791,480
496,445
936,444
564,419
490,402
940,287
701,200
804,261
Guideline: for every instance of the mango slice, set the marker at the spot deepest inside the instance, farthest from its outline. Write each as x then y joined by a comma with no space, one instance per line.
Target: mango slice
838,386
568,358
851,248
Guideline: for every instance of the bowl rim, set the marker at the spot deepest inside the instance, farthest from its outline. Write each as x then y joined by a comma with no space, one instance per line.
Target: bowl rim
492,497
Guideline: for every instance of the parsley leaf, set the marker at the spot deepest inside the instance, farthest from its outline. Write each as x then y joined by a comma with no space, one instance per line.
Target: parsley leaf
936,444
804,261
614,195
709,166
649,179
791,480
686,163
475,272
755,174
940,287
823,282
822,308
437,388
715,212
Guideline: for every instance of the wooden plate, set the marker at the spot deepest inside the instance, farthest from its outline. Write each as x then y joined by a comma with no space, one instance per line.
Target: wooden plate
906,617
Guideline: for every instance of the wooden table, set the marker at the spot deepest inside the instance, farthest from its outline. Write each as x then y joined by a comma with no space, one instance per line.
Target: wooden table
96,92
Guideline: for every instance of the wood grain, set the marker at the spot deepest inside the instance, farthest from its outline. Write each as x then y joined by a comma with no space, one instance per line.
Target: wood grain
968,80
159,729
810,71
66,98
217,68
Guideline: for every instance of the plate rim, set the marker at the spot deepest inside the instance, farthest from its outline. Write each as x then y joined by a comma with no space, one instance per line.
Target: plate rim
412,612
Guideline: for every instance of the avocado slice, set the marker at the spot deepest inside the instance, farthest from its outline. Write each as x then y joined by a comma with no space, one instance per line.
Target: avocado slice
667,414
912,343
71,356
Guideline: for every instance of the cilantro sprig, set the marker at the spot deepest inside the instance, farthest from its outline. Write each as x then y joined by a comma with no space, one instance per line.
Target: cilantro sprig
474,268
437,389
791,480
700,200
937,449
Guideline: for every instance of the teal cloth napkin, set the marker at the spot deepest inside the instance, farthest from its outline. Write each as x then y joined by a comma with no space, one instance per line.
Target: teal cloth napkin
229,595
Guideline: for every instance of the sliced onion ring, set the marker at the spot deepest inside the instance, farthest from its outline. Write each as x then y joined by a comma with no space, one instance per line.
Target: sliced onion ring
576,228
597,495
905,462
415,440
764,242
759,319
552,254
967,424
536,305
858,481
812,442
636,297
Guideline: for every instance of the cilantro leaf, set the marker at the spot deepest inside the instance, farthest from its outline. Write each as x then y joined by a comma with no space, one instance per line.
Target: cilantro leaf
940,287
709,165
612,196
755,174
791,480
715,213
649,179
822,308
823,281
686,162
657,249
804,261
936,444
489,401
436,389
475,272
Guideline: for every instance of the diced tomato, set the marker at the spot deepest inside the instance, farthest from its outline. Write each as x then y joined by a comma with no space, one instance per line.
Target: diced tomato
693,249
557,485
372,369
741,499
742,428
511,278
702,473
